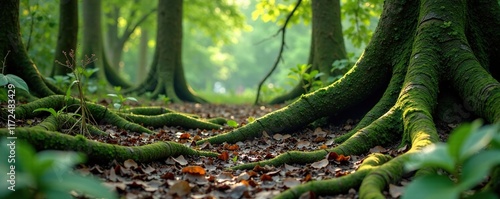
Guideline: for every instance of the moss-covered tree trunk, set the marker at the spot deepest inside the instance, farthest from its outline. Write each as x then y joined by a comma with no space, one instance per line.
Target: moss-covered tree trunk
67,35
419,48
12,50
166,75
93,43
327,45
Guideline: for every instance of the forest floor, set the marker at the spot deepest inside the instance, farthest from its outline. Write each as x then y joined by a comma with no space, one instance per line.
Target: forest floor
207,177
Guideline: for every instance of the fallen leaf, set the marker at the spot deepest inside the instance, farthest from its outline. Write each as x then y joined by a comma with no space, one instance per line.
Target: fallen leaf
168,176
195,170
320,164
197,138
338,158
231,147
302,144
395,191
319,132
307,178
181,188
112,175
319,139
290,168
378,149
224,156
323,146
181,160
278,136
265,177
286,136
185,136
130,163
291,182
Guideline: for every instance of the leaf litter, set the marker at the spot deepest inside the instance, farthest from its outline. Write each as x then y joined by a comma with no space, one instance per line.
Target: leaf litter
208,177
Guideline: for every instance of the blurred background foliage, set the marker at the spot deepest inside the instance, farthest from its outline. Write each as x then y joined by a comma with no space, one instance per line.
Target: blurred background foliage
228,45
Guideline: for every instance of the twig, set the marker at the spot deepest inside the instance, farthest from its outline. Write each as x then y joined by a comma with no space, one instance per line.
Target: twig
280,55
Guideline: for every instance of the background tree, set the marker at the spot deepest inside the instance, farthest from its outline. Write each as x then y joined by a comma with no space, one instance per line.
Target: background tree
93,43
327,46
120,25
13,51
68,34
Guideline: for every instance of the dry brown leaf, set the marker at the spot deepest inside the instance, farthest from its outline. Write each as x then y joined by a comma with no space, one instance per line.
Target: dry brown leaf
286,136
181,188
338,158
320,164
323,146
224,156
231,147
302,144
278,136
378,149
130,164
319,132
265,177
290,168
319,139
185,136
195,170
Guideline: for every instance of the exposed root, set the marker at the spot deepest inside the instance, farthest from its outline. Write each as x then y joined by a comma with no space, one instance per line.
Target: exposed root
42,139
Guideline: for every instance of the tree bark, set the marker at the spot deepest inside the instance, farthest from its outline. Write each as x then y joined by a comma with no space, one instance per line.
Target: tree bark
166,75
67,36
93,43
327,45
12,49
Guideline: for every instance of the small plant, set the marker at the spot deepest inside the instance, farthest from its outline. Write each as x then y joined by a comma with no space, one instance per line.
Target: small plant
166,100
118,99
77,72
47,174
61,81
309,80
469,156
232,123
339,67
6,79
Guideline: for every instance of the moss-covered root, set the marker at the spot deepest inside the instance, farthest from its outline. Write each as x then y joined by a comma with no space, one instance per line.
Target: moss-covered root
338,185
381,132
170,119
102,152
148,110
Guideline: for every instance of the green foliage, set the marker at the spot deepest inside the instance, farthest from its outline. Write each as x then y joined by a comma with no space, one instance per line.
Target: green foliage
39,25
309,79
14,80
50,110
118,99
275,11
362,17
339,68
232,123
47,174
469,156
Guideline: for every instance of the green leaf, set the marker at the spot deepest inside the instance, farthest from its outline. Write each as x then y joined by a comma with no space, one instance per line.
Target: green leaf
476,141
17,81
112,95
3,80
250,119
50,110
476,168
117,105
131,99
431,187
435,155
68,91
232,123
458,136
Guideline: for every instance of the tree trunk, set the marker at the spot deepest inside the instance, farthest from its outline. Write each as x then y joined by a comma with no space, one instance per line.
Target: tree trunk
143,56
166,75
16,57
327,45
418,48
93,43
67,36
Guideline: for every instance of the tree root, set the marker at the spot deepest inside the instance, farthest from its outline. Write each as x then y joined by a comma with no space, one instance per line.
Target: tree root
338,185
103,114
42,139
